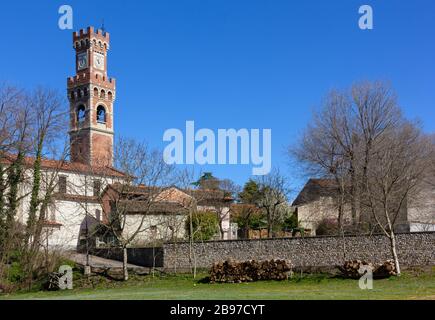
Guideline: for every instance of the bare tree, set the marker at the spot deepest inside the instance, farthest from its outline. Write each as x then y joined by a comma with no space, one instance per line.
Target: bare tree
13,137
30,124
338,145
49,120
431,171
185,180
357,139
144,168
274,190
393,175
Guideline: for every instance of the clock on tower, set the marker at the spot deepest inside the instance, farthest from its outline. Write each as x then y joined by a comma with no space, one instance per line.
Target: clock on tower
91,95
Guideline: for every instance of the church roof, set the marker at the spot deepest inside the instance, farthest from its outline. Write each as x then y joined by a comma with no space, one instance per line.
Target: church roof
73,167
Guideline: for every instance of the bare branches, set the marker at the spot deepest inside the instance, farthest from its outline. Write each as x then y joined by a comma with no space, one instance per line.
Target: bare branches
145,177
274,190
377,158
30,125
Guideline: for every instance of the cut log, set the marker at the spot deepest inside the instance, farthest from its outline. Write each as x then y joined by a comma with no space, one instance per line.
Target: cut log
354,269
231,271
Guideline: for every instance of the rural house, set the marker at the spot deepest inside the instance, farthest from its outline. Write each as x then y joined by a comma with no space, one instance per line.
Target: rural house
318,200
162,212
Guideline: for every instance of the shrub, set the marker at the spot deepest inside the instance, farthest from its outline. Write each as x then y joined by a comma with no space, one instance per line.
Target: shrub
204,225
290,222
327,227
16,272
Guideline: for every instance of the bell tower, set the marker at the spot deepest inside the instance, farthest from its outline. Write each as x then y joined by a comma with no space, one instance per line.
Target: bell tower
91,96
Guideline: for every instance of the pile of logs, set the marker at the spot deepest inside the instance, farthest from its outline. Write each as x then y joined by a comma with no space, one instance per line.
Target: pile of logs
247,271
385,270
354,269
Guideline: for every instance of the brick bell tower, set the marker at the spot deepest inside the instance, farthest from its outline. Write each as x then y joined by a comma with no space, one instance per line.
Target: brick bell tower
91,96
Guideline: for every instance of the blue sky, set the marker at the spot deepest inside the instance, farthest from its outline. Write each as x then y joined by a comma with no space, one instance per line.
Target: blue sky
229,64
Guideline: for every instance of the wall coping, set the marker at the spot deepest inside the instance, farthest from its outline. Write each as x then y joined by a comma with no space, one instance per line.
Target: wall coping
296,238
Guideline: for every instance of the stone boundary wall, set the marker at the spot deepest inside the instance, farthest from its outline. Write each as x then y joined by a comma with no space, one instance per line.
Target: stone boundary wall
144,257
414,249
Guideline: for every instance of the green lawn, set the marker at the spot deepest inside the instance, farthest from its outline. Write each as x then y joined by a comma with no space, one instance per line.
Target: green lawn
309,287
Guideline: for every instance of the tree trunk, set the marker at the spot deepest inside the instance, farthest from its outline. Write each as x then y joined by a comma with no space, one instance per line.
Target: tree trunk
392,237
269,230
34,199
394,251
221,229
124,263
245,232
14,177
220,218
353,194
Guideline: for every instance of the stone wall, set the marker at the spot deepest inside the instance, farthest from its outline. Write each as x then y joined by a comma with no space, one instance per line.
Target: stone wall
414,249
144,257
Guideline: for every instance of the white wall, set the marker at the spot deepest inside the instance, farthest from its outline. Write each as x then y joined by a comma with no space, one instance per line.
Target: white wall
70,214
311,214
154,227
421,208
420,227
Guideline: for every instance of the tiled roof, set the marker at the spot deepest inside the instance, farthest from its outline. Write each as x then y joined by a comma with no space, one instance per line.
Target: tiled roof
141,207
172,200
315,189
76,198
74,167
143,192
48,223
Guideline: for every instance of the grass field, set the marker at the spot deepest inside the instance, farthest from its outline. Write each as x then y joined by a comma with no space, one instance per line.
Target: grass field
409,286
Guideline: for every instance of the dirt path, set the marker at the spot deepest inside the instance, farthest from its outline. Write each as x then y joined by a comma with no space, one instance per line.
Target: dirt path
98,262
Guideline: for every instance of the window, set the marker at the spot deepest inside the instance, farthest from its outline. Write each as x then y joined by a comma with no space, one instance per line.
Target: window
81,113
44,212
98,215
153,230
62,184
97,188
101,114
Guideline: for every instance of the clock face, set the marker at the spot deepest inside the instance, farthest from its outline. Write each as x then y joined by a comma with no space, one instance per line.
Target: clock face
99,61
82,61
